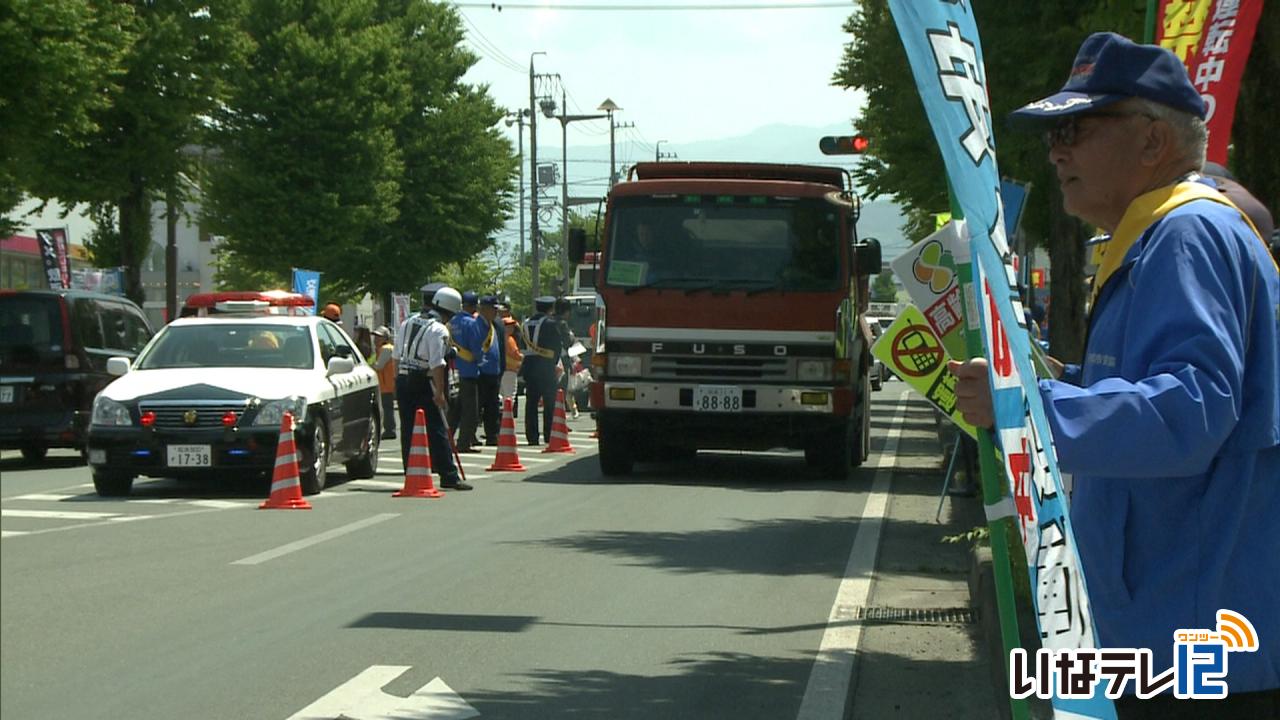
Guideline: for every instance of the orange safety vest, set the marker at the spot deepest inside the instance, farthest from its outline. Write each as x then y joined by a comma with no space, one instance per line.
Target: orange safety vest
514,357
387,375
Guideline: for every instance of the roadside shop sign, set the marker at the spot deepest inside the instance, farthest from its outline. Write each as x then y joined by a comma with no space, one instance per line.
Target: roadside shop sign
945,52
912,350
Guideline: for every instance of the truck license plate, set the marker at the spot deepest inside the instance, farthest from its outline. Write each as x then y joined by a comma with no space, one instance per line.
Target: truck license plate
717,398
6,393
189,456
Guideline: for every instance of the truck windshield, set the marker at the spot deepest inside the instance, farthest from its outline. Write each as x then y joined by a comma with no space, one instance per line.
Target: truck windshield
726,242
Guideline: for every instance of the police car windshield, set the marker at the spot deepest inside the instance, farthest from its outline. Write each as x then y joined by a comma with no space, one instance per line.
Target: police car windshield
230,345
727,242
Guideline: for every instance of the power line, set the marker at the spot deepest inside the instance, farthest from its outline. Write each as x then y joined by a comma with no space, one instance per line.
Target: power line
656,7
494,53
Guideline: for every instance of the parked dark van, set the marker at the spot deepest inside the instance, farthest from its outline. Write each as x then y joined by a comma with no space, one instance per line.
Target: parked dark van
54,346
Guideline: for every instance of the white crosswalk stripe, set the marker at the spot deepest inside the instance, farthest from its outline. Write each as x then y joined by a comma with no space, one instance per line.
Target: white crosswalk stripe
57,514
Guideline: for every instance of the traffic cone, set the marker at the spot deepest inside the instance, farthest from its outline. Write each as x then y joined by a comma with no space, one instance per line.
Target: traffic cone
559,429
507,457
286,489
418,482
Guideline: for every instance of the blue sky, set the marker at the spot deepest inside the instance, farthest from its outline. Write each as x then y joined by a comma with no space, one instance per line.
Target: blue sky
680,76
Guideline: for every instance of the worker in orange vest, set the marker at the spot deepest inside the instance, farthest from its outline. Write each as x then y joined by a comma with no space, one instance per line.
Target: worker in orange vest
384,362
507,387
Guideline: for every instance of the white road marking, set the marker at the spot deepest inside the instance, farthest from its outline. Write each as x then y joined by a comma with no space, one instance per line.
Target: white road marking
12,533
48,497
220,504
362,697
57,514
828,687
314,540
158,501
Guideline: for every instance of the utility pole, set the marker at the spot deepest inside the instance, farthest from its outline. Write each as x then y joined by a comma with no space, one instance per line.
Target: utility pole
533,177
609,106
658,155
565,119
517,117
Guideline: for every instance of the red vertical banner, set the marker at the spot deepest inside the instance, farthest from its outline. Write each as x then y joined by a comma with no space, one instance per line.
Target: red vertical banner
1213,39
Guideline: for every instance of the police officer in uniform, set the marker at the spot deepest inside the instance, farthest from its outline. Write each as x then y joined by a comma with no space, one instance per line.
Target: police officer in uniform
422,382
544,342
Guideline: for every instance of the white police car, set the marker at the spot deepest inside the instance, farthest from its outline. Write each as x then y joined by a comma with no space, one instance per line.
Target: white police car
206,396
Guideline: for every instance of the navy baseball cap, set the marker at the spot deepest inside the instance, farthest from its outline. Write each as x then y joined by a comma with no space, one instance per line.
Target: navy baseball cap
489,300
1109,68
470,298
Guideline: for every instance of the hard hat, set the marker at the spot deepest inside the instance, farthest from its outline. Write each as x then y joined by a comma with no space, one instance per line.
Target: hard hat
446,298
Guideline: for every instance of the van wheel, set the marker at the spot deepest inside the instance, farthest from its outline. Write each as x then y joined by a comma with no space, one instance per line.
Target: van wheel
112,484
34,452
313,472
366,466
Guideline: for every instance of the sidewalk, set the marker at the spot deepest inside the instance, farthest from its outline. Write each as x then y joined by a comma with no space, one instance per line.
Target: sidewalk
921,653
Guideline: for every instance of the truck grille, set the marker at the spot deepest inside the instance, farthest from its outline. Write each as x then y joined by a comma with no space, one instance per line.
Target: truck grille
208,415
717,368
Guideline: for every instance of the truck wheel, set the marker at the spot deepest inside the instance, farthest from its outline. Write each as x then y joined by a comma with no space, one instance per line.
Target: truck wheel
862,446
617,457
834,452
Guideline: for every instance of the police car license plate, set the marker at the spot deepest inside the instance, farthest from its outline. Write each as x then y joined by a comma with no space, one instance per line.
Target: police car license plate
189,456
6,393
717,398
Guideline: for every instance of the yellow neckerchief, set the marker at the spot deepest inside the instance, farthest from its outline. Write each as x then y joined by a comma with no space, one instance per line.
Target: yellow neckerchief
1145,211
469,356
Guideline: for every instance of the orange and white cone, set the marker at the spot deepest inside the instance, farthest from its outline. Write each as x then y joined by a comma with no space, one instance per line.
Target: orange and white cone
286,489
559,429
418,481
507,458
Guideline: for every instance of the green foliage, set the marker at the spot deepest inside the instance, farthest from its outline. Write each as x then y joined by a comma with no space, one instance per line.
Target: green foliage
351,146
1028,49
231,272
62,64
883,289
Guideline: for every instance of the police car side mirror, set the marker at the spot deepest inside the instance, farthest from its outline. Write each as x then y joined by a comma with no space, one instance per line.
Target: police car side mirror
340,365
117,366
866,256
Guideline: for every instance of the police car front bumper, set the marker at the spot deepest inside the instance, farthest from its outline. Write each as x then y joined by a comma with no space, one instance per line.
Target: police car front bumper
232,452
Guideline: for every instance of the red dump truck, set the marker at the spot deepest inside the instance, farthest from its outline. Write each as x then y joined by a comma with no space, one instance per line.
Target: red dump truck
730,304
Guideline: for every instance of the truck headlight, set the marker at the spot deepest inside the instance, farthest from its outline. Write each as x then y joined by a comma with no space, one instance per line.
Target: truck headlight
814,370
108,412
270,412
624,366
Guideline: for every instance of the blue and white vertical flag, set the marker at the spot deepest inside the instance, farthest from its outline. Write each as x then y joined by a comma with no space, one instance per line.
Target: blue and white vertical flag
307,282
942,43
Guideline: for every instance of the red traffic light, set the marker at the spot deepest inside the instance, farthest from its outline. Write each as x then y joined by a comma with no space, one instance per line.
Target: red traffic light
844,144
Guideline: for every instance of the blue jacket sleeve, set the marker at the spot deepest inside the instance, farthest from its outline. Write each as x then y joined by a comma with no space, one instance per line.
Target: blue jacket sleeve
1174,397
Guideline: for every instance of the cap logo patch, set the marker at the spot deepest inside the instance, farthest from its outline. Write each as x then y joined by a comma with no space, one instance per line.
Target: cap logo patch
1048,105
1083,70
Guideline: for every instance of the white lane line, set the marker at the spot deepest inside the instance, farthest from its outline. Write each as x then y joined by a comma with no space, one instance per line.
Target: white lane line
117,520
12,533
828,687
314,540
220,504
57,514
158,501
49,497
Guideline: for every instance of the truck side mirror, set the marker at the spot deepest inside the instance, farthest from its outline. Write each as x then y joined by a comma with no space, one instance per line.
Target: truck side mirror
577,245
866,256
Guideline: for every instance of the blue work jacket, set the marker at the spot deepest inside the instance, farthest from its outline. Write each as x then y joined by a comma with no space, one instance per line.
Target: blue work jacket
1172,432
469,332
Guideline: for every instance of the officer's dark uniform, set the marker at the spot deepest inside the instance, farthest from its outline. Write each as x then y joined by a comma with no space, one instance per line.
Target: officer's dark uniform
542,334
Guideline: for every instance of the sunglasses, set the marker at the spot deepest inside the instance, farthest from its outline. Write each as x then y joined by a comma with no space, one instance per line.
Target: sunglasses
1066,132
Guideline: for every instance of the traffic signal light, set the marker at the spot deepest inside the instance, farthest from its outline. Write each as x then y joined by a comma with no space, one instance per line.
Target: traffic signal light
844,144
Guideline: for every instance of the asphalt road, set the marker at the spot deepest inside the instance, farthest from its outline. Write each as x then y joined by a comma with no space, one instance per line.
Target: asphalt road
699,589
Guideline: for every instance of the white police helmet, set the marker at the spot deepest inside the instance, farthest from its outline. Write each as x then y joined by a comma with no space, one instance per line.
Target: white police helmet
446,298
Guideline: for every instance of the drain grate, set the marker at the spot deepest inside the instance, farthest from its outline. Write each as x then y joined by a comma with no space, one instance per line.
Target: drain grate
936,616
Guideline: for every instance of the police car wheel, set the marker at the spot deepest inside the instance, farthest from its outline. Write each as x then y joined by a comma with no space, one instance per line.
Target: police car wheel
315,454
112,484
366,465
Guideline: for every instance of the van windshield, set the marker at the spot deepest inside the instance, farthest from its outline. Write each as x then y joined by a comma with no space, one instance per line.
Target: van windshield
30,331
725,242
230,345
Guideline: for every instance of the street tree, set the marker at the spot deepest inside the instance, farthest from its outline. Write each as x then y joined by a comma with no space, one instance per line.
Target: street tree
1028,49
884,289
62,64
351,146
138,147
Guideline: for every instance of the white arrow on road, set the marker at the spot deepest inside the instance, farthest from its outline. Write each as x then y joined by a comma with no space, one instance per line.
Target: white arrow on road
362,698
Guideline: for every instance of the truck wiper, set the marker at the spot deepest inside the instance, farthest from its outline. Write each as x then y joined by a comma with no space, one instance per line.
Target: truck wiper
670,281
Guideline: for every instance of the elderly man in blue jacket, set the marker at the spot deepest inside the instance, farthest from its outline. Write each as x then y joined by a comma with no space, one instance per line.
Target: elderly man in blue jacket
1171,424
472,337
